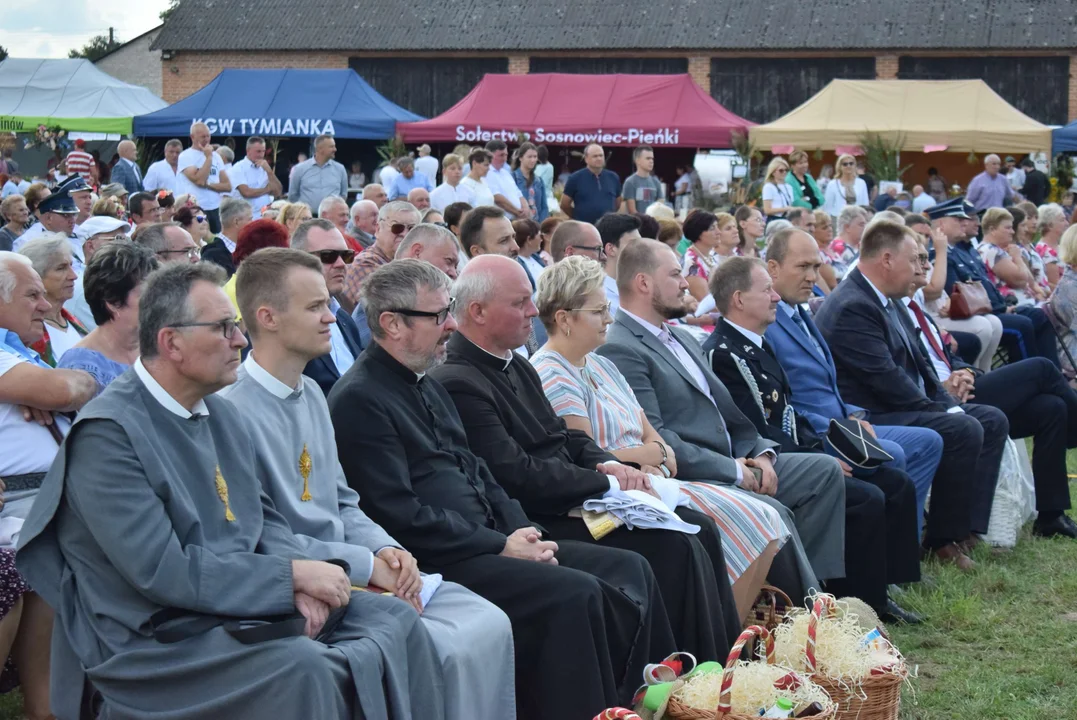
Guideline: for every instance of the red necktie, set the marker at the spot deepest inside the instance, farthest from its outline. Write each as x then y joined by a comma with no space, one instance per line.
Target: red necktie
925,327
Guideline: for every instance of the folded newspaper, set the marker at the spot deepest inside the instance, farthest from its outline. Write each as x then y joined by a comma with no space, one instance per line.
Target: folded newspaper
638,509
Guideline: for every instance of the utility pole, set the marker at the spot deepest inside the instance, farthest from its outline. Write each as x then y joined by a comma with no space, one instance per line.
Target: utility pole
111,36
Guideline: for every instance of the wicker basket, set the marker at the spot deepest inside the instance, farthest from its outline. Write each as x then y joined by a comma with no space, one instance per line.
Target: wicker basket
770,608
676,710
878,697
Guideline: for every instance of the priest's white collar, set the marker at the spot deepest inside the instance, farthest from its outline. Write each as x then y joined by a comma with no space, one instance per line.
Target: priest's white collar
267,380
161,395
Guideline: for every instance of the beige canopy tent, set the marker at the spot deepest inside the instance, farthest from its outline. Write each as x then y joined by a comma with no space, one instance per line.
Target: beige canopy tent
930,115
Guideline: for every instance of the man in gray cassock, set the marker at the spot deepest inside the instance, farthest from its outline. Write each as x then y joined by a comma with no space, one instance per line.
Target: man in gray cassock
179,591
284,299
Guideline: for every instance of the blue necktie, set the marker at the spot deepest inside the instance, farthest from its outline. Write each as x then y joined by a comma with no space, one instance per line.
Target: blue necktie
800,323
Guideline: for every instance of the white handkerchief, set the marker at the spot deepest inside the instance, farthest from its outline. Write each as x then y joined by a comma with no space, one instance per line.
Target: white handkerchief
640,509
431,583
9,532
669,490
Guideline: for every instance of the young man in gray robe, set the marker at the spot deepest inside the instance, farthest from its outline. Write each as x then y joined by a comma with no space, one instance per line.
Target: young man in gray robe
285,301
179,591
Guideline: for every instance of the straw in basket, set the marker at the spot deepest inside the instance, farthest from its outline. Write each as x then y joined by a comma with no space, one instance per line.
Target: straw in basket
617,713
877,697
678,710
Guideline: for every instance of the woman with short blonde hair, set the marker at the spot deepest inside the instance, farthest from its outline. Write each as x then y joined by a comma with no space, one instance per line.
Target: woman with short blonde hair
50,255
591,395
777,195
1051,223
292,214
847,187
806,194
1005,267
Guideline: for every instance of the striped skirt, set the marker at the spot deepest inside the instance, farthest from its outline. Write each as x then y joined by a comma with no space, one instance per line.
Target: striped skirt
747,525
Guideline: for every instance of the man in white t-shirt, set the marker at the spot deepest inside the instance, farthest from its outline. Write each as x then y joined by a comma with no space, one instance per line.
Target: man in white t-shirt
253,178
507,195
427,164
161,175
201,174
30,391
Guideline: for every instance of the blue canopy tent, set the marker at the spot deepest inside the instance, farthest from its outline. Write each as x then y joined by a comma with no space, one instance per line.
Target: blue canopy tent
281,103
1064,139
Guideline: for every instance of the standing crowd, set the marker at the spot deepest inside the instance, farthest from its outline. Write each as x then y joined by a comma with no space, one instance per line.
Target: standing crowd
265,453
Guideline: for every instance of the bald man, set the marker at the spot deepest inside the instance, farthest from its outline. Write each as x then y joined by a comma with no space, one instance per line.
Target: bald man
375,193
420,198
200,172
127,172
573,237
363,222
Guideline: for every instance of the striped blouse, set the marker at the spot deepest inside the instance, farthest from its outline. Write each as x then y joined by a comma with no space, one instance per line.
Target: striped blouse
598,392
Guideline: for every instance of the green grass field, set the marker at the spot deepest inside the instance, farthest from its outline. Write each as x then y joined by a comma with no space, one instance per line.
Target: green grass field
998,644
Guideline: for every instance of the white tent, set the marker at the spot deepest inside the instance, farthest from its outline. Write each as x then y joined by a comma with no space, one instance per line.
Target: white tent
70,94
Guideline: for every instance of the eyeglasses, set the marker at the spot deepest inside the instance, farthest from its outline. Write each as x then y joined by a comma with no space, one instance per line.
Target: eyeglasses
110,238
590,248
227,327
439,317
400,228
329,257
199,218
781,170
924,259
848,164
191,252
601,310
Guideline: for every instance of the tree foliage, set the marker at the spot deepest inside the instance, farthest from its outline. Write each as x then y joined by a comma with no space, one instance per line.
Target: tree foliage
97,47
3,53
167,12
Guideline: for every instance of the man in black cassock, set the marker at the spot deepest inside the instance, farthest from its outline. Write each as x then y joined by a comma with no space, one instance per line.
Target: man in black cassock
552,470
585,619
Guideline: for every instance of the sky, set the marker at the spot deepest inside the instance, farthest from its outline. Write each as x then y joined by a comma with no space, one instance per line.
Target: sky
49,28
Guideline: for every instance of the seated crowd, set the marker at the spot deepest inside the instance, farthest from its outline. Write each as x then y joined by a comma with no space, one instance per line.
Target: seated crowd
346,466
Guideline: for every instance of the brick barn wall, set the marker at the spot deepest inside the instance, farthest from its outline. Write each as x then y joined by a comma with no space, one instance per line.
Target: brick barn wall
886,67
188,72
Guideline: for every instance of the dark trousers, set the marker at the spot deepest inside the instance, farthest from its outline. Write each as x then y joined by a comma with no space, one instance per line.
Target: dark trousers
881,546
583,629
968,346
1039,404
213,217
1027,333
691,575
967,474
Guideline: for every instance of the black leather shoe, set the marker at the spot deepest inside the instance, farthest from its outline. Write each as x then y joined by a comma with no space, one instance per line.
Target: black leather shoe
896,614
1061,526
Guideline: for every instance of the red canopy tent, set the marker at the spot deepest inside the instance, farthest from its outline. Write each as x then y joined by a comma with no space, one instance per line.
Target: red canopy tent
560,109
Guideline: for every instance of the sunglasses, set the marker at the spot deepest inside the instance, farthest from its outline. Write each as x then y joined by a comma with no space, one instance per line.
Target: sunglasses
329,257
439,317
199,218
227,327
590,248
848,164
400,228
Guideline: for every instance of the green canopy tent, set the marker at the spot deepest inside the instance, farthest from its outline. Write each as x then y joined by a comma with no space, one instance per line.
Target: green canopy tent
72,95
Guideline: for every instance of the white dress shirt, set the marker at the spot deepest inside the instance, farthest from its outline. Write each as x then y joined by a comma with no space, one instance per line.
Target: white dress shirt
502,183
161,395
339,350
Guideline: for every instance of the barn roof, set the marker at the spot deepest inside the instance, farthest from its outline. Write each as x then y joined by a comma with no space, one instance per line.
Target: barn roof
627,25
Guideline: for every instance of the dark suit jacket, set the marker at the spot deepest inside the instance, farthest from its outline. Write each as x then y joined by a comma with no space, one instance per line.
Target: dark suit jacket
876,369
760,387
323,370
125,175
217,252
512,426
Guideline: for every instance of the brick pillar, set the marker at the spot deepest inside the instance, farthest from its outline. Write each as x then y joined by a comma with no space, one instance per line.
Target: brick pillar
1073,88
699,67
886,67
519,64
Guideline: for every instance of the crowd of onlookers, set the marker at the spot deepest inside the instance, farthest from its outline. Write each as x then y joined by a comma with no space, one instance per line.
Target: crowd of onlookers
836,349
